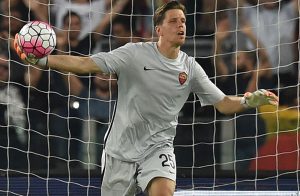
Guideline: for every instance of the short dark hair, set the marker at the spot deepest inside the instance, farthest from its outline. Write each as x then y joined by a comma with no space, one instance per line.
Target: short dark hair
160,12
67,16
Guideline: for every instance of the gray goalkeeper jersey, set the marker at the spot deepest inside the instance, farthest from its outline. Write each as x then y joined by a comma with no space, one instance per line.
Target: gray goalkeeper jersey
152,89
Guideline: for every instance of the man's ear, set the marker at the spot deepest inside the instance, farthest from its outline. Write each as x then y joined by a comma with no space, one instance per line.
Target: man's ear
158,30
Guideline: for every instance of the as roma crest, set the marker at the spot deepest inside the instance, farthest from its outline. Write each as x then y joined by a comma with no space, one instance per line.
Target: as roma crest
182,77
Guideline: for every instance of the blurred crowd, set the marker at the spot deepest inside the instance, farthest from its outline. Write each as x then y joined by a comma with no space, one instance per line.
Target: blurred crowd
44,114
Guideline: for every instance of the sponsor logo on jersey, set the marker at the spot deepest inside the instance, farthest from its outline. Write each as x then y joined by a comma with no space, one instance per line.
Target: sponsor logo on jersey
182,77
148,69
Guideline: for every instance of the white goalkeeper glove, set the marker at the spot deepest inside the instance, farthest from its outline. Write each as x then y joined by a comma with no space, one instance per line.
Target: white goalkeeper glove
259,98
31,59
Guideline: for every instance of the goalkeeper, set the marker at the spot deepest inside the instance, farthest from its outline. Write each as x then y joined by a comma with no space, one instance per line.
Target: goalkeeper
154,81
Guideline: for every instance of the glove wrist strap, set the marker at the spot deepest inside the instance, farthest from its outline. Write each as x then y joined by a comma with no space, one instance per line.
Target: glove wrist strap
244,102
43,63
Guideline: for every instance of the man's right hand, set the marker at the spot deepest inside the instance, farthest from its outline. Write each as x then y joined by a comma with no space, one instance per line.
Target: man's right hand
31,59
259,98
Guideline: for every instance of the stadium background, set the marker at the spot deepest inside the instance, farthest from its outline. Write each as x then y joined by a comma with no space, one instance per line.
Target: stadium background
65,162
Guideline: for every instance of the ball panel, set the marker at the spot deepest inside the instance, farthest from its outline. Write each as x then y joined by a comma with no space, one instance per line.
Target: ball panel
24,29
27,45
39,52
21,40
27,37
45,35
32,31
48,50
53,40
43,25
45,44
28,50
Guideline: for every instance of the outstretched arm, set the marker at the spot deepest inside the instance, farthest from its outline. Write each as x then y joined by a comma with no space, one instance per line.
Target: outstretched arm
74,64
230,105
65,63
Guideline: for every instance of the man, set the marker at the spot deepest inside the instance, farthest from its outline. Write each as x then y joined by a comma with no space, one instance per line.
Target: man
154,81
278,35
13,134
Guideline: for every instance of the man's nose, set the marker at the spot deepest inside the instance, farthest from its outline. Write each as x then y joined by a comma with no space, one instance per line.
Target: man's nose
180,23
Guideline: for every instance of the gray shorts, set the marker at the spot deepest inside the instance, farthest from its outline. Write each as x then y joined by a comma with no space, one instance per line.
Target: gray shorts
128,178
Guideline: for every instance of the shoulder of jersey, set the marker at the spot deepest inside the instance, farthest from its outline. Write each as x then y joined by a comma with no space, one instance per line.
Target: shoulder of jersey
140,45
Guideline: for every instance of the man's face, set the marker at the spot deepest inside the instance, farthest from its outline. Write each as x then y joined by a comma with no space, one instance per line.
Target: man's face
73,26
173,27
122,35
240,59
243,61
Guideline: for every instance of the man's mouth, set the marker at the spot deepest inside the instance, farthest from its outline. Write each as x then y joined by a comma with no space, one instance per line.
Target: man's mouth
180,33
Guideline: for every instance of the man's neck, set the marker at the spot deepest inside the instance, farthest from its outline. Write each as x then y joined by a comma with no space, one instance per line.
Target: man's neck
168,50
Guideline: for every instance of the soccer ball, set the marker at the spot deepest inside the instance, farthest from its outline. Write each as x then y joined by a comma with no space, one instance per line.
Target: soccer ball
37,39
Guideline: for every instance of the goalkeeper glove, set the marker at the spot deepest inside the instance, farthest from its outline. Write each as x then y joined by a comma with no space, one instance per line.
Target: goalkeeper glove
31,59
259,98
